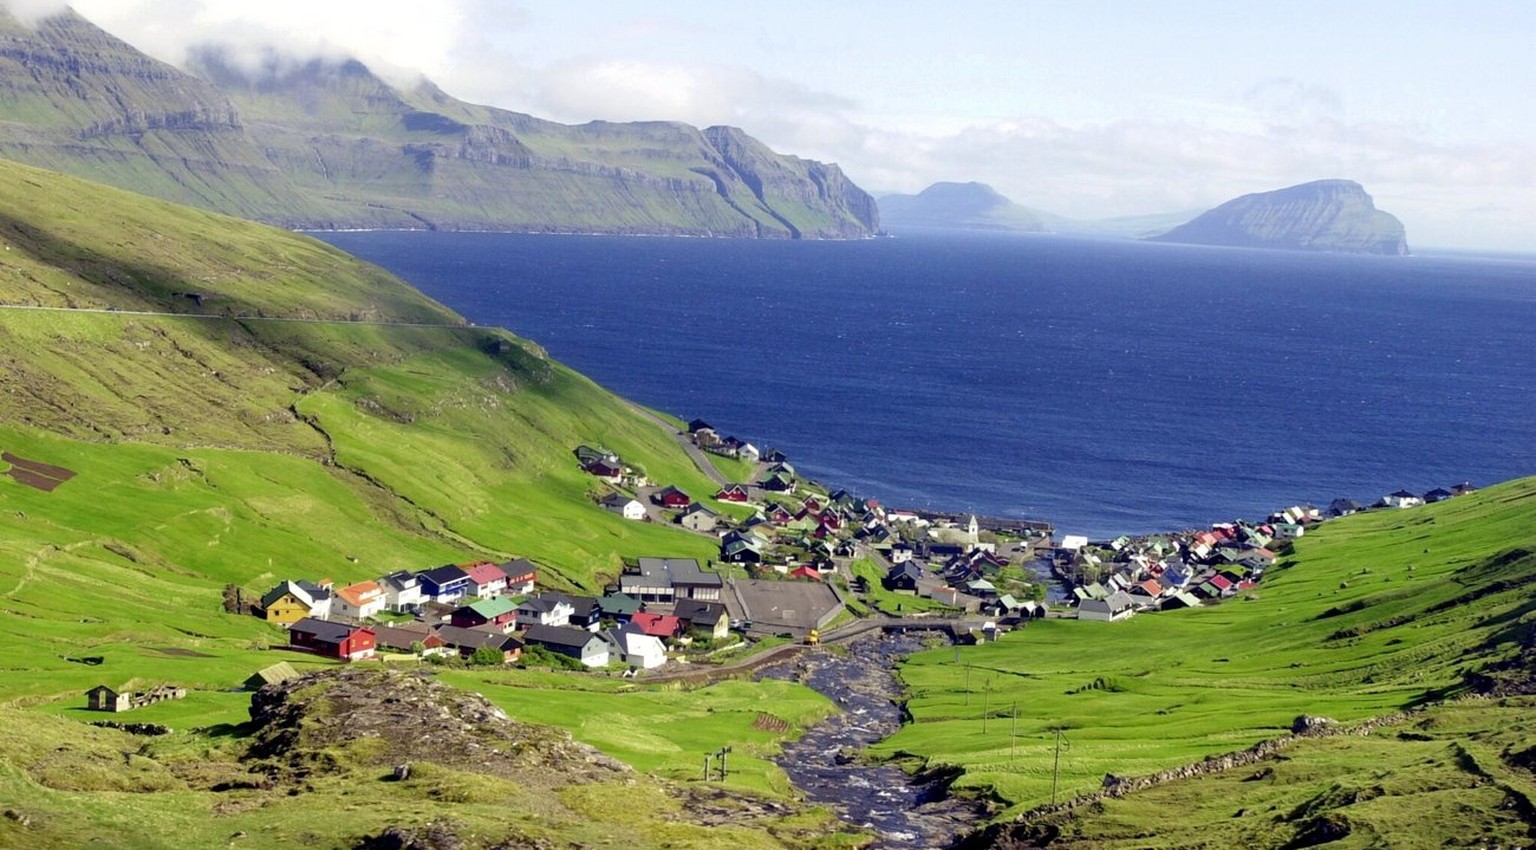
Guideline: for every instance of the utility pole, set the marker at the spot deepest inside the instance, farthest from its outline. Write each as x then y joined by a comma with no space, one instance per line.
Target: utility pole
1013,733
986,703
1056,769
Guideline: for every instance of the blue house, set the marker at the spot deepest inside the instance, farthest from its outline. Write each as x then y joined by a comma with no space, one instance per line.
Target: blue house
447,583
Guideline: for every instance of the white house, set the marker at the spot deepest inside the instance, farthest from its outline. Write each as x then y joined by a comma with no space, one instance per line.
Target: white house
637,649
1074,542
358,601
624,506
749,452
545,611
1117,606
402,590
1402,499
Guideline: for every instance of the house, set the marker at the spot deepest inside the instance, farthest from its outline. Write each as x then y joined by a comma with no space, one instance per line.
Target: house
1289,530
447,583
778,515
805,572
333,640
697,425
901,552
1439,494
657,625
1402,499
624,506
402,591
587,454
358,601
407,639
607,470
103,698
733,493
709,618
521,576
778,482
546,609
282,671
1146,594
1463,489
981,588
498,612
1343,507
486,580
749,453
618,607
670,579
292,601
774,456
1116,606
741,549
585,613
1073,542
579,644
1179,599
671,497
903,578
466,641
637,649
696,517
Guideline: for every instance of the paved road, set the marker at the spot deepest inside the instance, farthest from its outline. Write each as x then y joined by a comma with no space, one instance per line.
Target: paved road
700,459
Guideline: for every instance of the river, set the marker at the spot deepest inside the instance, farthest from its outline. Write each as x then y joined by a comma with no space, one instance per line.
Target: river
904,814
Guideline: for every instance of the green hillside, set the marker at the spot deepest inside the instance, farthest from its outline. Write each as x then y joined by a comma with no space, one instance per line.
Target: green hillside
240,405
1369,615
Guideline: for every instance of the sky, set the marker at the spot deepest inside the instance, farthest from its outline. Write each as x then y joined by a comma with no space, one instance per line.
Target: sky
1083,108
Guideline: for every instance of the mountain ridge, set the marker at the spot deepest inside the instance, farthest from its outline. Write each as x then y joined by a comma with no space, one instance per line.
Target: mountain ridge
328,144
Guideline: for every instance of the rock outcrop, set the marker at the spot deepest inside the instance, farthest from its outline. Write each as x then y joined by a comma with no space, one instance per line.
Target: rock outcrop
1324,215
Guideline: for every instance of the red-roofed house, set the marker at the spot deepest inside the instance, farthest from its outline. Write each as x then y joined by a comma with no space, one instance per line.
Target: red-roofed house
358,601
656,625
486,580
805,572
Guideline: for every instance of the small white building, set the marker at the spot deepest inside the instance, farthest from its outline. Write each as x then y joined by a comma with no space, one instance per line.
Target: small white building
636,649
624,506
1402,499
1074,542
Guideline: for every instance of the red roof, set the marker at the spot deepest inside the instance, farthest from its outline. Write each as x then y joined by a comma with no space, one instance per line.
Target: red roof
656,625
484,572
1151,588
733,493
805,572
1221,581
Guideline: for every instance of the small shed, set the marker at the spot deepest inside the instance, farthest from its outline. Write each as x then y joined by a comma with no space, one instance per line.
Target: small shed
103,698
282,671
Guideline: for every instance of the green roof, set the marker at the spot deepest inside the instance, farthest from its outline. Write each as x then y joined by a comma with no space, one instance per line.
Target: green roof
495,607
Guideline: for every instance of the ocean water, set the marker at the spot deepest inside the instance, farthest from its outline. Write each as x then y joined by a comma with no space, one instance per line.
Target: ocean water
1107,386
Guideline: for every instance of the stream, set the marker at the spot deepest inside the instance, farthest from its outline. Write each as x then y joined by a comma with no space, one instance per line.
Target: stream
903,813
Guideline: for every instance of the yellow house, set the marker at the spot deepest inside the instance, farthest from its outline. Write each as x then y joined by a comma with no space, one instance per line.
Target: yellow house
291,602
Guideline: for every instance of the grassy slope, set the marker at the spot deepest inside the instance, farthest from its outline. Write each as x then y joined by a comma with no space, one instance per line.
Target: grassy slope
215,450
1163,690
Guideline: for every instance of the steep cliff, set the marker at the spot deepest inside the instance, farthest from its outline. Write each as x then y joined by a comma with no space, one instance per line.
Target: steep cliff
321,144
967,206
1324,215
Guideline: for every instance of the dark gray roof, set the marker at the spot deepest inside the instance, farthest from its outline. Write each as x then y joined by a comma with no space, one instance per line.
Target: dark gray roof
558,635
697,611
476,638
676,571
326,631
444,574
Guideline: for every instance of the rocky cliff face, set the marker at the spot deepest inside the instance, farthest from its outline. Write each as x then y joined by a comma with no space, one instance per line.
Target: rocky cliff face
966,206
322,144
1324,215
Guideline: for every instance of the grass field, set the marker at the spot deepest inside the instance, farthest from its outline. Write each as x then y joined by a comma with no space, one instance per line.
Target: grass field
1370,614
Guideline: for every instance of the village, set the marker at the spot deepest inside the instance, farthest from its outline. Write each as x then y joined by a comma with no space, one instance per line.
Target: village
794,561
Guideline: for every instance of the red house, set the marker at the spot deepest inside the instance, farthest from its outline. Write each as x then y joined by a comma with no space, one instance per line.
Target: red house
333,640
806,572
733,493
657,625
605,469
671,497
780,515
498,613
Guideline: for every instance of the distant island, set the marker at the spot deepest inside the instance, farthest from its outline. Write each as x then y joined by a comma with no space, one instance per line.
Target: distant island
977,206
1324,215
965,206
329,144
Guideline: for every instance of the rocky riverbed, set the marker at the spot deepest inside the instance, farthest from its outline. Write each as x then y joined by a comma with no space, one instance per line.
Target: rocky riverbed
905,814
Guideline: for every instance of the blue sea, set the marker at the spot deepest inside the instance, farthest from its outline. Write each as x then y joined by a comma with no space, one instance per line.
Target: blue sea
1106,386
